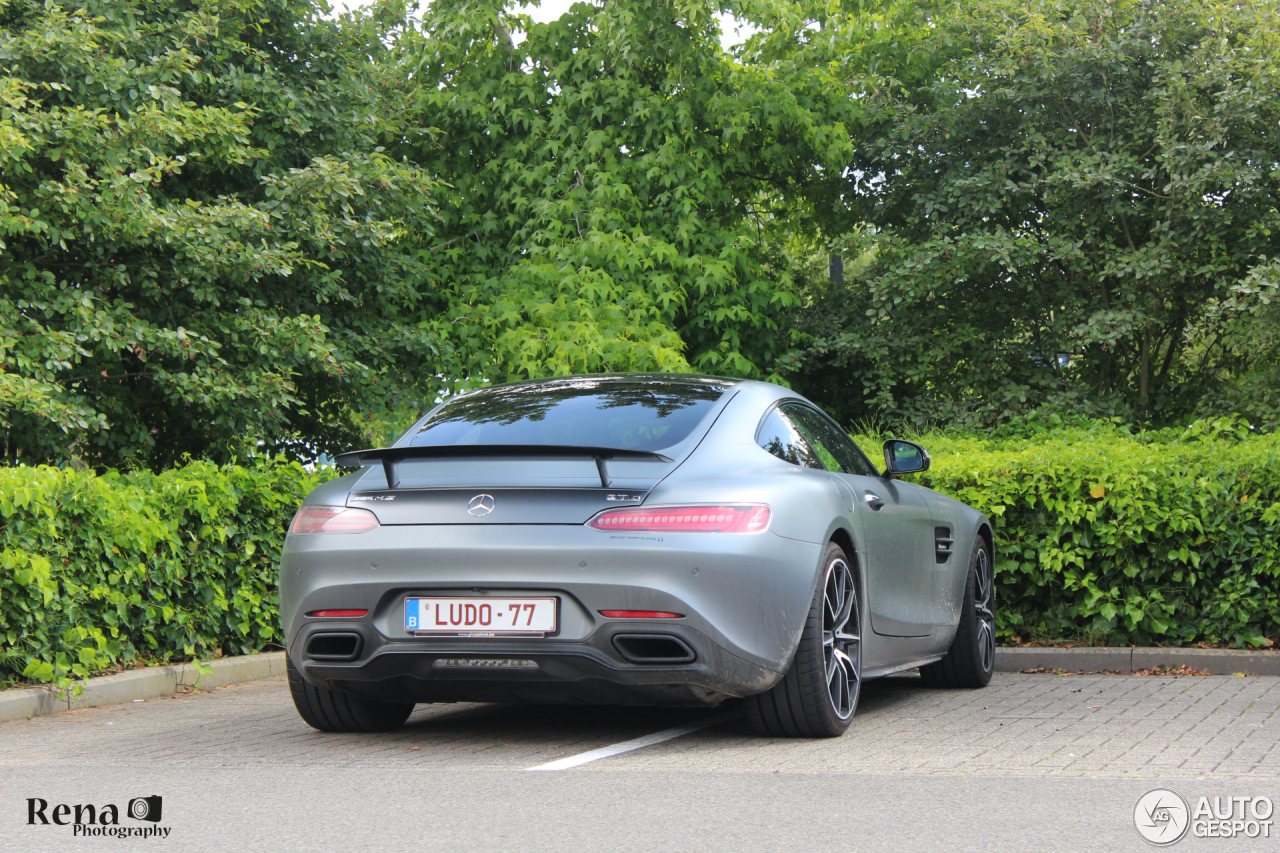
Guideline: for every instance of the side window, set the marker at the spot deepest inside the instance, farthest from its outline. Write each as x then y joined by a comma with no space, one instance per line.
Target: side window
779,436
796,416
838,450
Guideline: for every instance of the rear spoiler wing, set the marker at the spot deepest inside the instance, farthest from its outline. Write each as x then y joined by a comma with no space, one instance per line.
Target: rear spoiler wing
390,457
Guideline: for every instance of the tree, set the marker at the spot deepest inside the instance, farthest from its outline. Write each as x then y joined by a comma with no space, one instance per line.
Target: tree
621,191
203,249
237,225
1064,199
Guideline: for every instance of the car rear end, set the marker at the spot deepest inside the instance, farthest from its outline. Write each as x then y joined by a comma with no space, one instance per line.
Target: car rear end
538,566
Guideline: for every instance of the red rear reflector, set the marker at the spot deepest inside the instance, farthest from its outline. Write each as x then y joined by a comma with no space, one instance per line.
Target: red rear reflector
339,614
738,518
332,519
640,614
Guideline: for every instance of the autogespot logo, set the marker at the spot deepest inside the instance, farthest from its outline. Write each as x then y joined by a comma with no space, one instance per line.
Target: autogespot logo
1161,816
87,820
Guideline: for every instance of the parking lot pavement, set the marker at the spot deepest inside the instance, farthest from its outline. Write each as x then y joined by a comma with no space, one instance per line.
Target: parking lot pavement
1033,762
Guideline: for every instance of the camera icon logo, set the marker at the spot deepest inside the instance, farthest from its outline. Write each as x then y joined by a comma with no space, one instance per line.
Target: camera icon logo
1162,817
146,808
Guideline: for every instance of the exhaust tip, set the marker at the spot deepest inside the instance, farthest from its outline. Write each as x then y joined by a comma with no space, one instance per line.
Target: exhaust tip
334,645
653,648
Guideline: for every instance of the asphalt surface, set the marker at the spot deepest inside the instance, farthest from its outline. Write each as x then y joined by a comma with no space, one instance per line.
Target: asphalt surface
1031,763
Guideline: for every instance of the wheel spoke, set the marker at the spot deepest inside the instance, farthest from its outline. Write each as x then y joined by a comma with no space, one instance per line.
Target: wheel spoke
847,664
845,611
838,687
833,599
986,644
842,684
841,602
982,593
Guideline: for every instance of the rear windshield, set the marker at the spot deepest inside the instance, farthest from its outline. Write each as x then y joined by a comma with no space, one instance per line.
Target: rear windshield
649,414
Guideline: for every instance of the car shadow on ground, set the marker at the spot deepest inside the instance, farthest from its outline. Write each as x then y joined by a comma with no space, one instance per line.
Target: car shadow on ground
553,723
567,724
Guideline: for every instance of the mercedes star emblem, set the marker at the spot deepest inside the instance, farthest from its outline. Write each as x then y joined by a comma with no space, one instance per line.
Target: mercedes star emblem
480,505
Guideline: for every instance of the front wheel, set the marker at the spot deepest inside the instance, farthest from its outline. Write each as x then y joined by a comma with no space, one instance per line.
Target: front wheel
331,711
819,694
972,656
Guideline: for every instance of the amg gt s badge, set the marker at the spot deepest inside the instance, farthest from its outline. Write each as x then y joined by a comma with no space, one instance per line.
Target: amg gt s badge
480,505
373,497
624,497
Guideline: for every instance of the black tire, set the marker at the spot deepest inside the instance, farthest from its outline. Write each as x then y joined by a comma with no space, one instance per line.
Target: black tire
331,711
971,658
819,693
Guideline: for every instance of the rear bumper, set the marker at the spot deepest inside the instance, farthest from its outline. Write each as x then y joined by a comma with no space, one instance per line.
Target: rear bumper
744,600
594,671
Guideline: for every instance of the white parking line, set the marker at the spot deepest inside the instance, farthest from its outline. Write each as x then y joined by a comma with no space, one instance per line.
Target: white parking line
638,743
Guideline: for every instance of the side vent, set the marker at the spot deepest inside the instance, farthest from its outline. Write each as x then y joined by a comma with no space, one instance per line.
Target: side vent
942,544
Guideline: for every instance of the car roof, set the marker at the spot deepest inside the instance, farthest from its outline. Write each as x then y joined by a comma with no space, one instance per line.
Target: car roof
689,379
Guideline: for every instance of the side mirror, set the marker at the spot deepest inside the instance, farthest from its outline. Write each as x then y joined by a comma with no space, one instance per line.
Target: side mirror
904,457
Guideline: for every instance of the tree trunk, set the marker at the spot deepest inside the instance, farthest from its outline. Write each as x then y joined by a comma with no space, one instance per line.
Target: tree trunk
1144,368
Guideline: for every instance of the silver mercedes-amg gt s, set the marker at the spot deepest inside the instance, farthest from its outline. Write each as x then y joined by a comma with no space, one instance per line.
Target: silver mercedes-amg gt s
630,539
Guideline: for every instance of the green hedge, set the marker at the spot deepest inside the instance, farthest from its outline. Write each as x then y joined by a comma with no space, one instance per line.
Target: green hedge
101,571
1168,538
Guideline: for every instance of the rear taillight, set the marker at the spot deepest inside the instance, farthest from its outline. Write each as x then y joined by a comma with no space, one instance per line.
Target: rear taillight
736,518
338,614
332,519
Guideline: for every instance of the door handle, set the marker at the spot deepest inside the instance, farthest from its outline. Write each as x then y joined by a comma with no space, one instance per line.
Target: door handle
874,501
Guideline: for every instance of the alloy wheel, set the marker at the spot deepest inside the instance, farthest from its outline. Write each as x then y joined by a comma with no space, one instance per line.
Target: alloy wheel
983,591
841,639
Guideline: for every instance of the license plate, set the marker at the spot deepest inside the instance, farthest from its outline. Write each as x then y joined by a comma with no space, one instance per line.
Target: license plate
480,617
